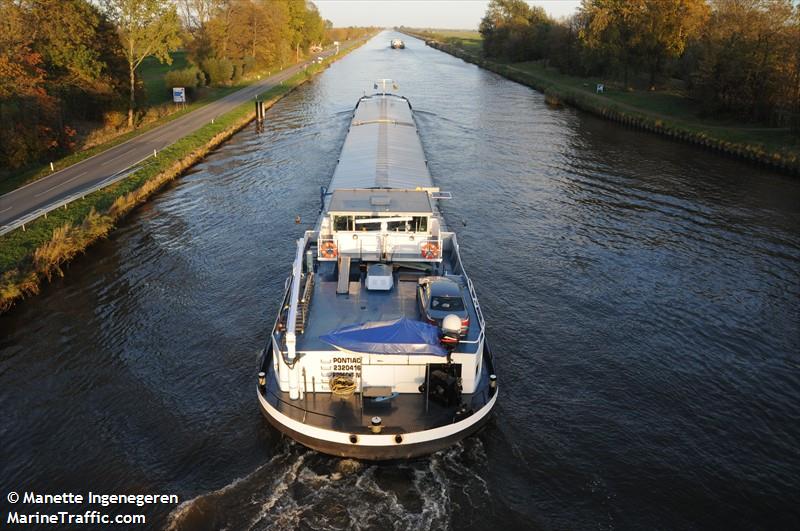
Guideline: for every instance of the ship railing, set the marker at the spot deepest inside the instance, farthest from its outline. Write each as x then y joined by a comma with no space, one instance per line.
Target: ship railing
472,294
362,246
327,249
431,249
408,248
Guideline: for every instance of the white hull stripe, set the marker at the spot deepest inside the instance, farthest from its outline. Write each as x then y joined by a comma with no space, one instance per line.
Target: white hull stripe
381,439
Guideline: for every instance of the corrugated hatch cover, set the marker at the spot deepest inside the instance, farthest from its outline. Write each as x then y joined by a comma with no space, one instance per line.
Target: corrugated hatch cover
382,149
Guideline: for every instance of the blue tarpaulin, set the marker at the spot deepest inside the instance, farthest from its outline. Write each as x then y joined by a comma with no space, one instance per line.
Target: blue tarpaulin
401,336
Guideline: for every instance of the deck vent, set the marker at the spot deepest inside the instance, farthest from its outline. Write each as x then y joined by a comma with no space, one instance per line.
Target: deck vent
379,277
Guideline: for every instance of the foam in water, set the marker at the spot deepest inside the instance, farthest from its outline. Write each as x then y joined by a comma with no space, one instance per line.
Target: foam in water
302,489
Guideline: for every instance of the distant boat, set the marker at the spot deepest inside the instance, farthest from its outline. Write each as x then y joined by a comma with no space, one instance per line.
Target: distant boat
397,44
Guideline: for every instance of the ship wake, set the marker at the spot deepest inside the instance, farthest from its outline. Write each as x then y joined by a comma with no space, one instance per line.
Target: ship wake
302,489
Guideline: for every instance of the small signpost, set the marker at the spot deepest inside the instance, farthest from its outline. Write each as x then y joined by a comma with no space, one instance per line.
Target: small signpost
179,94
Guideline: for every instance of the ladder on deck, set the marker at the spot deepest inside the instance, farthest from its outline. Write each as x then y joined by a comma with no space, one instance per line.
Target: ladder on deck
304,304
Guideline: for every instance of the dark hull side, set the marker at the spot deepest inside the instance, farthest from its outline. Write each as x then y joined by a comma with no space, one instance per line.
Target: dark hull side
377,453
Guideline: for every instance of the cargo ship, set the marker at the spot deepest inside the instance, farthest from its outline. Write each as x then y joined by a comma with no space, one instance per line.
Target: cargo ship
378,350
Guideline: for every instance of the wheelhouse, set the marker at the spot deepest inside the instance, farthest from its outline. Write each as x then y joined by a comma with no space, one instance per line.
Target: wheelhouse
380,225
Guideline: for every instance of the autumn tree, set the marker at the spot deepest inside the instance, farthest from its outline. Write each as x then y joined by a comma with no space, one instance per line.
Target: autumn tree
262,27
24,102
146,28
261,32
297,20
663,29
196,16
60,63
613,28
749,58
514,30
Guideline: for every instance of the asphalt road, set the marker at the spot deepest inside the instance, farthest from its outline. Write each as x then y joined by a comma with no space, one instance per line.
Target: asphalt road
84,175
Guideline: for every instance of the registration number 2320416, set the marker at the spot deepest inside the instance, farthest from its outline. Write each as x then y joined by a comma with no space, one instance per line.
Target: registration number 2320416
346,365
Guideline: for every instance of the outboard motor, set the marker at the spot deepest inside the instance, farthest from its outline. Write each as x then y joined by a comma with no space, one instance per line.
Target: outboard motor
445,379
451,331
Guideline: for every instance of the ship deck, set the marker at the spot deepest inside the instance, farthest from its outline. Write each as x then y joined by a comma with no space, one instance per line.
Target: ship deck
402,414
329,310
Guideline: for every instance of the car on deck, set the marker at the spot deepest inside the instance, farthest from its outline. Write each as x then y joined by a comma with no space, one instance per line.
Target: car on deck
440,296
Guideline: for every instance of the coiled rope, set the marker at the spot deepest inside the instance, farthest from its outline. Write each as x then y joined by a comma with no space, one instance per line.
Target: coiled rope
342,385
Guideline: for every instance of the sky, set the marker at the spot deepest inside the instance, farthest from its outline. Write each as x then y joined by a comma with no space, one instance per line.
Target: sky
451,14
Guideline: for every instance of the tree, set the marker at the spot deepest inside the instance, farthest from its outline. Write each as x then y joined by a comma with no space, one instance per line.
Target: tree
297,20
749,58
514,30
313,25
25,107
612,27
663,29
59,62
146,28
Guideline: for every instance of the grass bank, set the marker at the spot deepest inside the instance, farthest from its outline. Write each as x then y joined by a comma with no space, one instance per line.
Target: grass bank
152,73
159,110
28,257
666,112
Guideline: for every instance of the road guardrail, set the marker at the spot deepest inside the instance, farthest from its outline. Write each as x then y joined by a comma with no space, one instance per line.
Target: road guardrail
63,202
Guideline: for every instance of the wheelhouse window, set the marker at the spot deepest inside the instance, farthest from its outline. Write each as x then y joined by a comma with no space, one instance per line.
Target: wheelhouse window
343,223
414,224
398,226
367,227
355,223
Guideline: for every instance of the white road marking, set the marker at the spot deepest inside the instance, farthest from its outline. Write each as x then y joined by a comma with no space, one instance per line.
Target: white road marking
61,184
9,208
115,158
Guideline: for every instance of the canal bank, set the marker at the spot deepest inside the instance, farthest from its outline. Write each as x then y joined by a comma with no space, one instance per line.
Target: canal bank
641,292
781,160
37,252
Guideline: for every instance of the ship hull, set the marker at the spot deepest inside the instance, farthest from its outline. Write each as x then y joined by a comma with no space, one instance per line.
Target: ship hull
394,387
378,452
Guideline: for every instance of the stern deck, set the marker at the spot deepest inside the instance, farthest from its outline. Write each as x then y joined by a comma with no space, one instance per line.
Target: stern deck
329,310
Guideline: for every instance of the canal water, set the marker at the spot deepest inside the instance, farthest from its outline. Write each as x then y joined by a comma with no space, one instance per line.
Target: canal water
642,297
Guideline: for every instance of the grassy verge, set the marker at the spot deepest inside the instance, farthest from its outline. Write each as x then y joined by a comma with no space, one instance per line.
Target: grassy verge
666,112
14,181
27,257
153,77
152,73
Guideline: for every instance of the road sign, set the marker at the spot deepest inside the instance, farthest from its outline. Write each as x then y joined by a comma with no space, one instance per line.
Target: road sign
179,94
